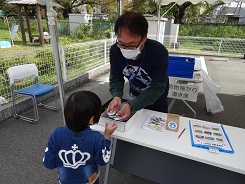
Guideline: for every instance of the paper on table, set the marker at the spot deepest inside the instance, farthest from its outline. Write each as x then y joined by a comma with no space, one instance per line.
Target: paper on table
154,123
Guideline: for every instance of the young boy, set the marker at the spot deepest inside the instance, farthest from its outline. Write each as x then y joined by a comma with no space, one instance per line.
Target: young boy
75,150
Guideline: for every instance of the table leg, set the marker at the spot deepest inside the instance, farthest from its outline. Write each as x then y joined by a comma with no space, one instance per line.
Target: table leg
171,104
194,112
108,166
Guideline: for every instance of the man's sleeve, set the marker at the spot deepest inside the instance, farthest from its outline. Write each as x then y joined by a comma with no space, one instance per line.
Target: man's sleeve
116,77
148,97
116,86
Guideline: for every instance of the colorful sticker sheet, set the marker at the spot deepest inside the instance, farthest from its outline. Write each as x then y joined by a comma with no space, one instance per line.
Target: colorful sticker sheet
155,123
206,134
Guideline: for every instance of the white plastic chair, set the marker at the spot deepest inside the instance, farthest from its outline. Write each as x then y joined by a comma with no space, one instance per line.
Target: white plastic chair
20,73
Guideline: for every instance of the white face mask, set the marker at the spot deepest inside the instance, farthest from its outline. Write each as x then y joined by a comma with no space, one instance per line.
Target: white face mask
130,54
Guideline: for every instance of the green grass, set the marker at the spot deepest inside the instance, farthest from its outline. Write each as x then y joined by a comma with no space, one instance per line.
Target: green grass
5,36
18,46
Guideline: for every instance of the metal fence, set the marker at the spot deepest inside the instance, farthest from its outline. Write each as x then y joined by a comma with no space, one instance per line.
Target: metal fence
204,45
74,29
77,59
65,28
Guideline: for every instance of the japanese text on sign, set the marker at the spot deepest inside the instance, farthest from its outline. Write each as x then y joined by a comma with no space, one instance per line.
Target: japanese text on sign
183,91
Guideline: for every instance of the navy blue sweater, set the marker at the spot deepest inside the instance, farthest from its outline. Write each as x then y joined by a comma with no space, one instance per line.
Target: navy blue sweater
151,80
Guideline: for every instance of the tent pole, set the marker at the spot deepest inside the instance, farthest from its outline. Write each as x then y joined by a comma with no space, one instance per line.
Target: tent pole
169,9
158,21
119,8
9,29
52,27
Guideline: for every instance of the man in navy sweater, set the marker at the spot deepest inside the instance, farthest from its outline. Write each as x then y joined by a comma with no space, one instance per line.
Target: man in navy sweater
144,62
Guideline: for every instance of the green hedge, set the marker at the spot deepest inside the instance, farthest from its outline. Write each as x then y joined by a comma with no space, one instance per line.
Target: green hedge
212,30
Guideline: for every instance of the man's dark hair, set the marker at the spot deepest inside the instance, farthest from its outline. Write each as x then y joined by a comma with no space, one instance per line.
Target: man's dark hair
80,107
136,23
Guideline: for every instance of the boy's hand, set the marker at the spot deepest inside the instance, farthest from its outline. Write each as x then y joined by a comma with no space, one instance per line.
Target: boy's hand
109,130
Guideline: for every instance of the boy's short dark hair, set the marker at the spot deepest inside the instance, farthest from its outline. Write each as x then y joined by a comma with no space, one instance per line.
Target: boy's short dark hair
80,107
135,22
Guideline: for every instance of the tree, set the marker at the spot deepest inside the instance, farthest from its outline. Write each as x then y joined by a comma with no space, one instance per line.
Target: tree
107,6
179,12
9,9
150,6
68,6
141,6
184,13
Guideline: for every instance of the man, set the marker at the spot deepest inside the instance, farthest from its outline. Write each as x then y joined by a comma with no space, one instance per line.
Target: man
144,62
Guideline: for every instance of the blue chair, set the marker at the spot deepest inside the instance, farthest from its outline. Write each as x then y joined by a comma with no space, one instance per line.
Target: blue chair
20,73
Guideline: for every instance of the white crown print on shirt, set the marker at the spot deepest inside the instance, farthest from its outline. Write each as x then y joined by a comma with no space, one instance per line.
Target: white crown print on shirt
74,158
106,155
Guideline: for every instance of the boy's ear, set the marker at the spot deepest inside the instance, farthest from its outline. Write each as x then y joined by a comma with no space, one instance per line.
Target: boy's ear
91,121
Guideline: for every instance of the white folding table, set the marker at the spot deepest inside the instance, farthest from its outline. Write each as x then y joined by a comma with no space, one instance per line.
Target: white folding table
163,158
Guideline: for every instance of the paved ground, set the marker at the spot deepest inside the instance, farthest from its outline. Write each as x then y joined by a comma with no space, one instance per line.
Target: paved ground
22,144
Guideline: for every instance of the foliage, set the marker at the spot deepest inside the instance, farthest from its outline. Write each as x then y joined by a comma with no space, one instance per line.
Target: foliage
216,30
107,6
82,31
136,5
183,13
191,14
146,6
47,64
33,25
64,28
9,9
96,30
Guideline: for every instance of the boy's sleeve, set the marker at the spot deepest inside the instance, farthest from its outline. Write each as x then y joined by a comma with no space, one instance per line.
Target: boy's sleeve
103,151
49,155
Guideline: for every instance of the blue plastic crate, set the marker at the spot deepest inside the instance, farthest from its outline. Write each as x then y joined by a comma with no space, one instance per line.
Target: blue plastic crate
181,66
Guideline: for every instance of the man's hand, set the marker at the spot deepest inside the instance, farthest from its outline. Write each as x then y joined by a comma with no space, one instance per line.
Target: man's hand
109,130
114,105
125,111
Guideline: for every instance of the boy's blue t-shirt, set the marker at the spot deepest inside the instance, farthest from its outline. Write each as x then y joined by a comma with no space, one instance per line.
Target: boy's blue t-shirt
76,155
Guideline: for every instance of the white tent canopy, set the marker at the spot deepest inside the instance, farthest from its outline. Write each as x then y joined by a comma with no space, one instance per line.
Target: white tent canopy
165,2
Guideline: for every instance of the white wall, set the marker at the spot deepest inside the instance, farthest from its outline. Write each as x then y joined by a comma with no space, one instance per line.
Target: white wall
156,31
77,19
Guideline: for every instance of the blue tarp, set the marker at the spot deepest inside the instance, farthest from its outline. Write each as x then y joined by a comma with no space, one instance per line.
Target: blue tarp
5,44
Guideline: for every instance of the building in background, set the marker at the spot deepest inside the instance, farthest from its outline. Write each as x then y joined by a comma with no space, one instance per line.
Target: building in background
233,13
